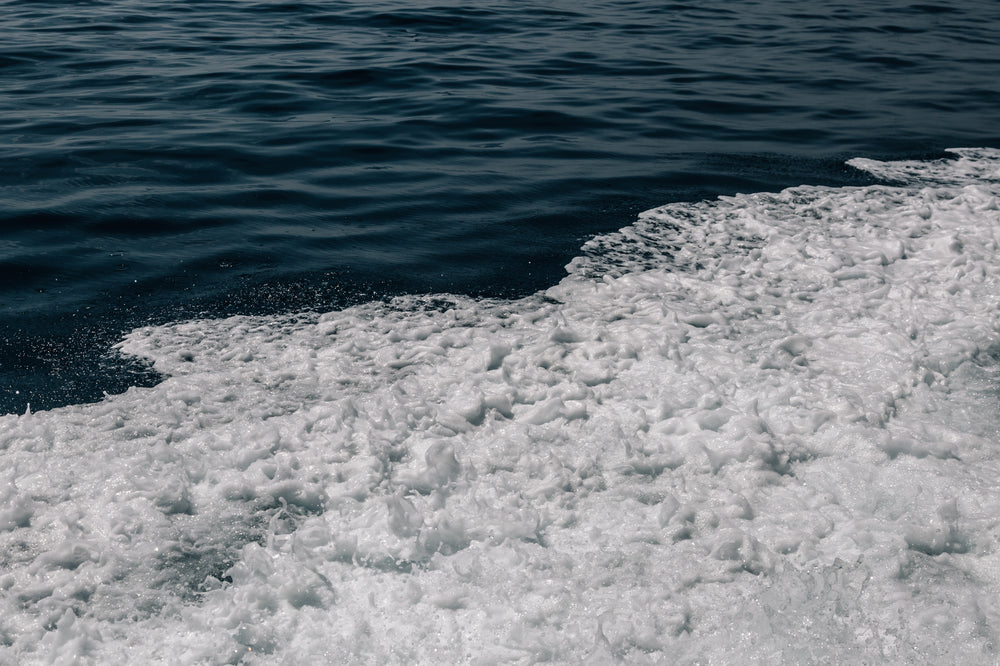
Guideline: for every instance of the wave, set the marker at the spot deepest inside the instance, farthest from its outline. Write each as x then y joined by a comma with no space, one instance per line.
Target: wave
762,426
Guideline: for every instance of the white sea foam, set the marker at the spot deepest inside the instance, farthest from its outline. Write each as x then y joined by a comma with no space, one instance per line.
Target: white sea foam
761,429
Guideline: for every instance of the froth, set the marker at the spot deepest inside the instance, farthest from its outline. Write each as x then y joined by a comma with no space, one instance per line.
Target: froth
761,427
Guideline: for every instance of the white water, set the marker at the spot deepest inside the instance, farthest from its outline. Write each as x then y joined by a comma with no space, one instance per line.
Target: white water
757,430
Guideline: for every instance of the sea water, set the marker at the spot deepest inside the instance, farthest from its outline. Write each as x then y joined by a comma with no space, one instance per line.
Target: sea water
333,333
167,160
757,429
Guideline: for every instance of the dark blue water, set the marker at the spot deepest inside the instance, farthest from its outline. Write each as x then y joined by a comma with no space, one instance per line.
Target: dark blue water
161,160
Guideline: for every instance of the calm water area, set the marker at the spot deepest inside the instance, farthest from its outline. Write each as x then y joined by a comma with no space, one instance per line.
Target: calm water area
163,160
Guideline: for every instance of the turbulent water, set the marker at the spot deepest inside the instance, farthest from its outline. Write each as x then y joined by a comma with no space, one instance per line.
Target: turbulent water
756,429
162,160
